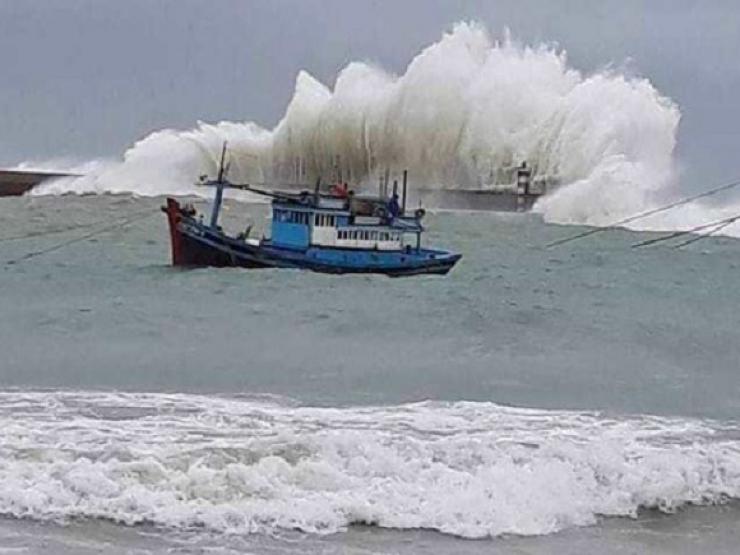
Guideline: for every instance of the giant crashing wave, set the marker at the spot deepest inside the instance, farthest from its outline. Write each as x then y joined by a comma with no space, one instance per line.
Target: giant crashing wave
465,107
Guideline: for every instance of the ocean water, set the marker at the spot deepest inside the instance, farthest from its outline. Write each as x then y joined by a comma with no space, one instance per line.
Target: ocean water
568,400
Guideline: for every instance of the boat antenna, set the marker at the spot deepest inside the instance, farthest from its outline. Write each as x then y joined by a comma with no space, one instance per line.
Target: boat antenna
645,214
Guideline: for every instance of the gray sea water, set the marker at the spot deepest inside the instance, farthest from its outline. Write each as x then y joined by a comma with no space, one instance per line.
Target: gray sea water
568,400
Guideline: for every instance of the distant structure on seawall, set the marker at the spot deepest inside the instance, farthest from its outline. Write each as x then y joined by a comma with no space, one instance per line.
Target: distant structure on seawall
513,188
14,183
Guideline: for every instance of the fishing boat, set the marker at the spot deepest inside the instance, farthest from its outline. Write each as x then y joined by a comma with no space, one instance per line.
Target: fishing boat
335,232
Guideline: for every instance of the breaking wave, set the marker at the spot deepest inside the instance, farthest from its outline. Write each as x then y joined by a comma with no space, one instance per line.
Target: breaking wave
466,111
254,466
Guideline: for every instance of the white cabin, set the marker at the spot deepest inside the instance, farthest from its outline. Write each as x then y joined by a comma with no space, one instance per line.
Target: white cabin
334,230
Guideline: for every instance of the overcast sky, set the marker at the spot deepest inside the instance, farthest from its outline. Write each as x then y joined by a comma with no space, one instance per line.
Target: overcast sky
86,78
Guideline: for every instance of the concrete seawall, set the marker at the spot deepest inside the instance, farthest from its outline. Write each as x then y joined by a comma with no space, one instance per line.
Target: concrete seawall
18,182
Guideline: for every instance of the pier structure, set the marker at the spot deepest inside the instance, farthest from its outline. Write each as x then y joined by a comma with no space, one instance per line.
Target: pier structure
14,183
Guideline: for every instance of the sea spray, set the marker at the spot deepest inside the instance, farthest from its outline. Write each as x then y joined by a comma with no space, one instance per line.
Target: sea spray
466,108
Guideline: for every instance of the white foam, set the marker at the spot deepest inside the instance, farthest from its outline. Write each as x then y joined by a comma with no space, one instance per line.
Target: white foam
231,465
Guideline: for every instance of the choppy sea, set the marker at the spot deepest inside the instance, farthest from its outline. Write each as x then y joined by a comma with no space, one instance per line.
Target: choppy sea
579,399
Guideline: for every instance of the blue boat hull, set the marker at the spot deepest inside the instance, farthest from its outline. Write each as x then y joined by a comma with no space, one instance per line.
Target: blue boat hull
195,244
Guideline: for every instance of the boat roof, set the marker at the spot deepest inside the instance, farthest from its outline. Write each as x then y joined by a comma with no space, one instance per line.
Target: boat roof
313,201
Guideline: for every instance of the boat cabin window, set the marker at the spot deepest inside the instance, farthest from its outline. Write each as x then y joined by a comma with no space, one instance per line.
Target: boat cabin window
291,217
324,220
367,235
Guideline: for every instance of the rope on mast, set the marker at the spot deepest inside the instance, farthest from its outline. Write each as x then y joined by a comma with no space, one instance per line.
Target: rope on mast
645,214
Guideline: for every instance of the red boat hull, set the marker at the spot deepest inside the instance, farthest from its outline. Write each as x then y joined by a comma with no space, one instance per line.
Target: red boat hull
189,252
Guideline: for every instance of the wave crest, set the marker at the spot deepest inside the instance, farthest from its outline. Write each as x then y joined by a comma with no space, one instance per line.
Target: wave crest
235,465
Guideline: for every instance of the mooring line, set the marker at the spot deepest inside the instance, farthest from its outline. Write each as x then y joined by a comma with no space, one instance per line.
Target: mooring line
46,233
90,235
719,224
708,234
645,214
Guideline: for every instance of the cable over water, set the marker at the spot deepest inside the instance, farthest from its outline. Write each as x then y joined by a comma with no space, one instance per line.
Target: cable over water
648,213
58,246
713,226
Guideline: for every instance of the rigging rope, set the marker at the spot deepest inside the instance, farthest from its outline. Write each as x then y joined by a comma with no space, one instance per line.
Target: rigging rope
645,214
63,244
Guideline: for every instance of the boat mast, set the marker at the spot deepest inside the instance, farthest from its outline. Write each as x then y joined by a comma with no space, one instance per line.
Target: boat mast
403,201
219,190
